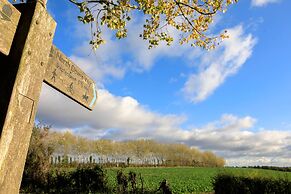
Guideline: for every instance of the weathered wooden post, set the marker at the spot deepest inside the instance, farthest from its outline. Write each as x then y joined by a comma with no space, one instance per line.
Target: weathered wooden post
26,66
21,75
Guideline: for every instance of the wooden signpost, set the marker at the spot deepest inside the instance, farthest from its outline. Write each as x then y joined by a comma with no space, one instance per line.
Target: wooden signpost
32,60
9,17
63,75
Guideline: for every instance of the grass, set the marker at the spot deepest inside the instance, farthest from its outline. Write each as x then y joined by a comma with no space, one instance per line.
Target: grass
188,179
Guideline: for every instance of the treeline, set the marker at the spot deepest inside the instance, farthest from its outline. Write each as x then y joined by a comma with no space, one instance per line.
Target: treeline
168,154
283,169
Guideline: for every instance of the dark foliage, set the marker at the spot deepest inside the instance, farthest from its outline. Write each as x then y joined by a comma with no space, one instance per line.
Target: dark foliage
229,184
122,182
85,179
164,187
283,169
133,181
89,179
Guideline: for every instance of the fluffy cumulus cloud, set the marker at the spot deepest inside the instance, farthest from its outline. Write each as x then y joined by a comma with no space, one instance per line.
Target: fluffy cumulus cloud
260,3
123,118
217,65
111,112
235,139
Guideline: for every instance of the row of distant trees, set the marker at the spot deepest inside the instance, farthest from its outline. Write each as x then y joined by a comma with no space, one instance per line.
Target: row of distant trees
284,169
170,154
45,142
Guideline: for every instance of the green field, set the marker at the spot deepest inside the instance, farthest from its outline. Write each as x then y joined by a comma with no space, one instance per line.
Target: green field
188,179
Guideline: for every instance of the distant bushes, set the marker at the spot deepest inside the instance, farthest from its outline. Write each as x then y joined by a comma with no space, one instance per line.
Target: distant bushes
231,184
283,169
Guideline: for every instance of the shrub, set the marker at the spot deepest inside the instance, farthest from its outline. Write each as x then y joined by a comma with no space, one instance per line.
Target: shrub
230,184
88,179
122,182
164,187
84,179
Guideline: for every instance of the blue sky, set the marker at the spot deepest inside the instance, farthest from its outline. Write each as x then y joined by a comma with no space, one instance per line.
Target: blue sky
234,100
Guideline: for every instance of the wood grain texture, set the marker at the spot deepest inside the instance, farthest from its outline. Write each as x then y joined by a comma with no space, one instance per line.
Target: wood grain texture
63,75
9,17
29,54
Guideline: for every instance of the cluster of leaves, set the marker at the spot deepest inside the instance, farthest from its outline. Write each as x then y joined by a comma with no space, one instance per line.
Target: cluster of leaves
191,18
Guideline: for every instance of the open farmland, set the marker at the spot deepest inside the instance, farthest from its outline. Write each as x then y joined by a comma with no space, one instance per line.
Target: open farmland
190,180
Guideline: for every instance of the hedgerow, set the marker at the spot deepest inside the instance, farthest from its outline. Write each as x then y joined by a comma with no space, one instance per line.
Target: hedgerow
231,184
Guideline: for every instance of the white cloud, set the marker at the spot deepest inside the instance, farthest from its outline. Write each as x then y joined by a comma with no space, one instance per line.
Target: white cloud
260,3
111,112
217,65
